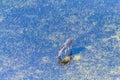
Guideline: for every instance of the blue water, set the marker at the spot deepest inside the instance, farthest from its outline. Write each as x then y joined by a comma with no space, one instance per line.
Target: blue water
32,31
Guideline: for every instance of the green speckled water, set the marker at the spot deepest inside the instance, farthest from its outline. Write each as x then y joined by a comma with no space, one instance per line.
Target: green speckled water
32,31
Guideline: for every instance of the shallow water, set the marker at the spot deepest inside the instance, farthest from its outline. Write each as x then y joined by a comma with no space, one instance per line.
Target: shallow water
31,32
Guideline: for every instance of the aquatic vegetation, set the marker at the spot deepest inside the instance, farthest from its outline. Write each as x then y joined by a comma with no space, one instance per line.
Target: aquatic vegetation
32,31
88,47
77,57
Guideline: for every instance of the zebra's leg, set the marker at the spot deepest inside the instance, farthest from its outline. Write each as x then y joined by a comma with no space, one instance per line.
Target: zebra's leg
65,51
